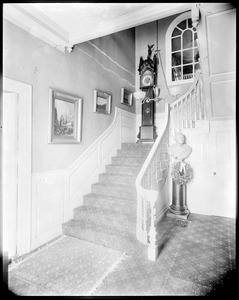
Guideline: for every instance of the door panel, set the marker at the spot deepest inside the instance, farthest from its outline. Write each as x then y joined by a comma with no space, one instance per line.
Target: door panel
9,172
222,171
217,42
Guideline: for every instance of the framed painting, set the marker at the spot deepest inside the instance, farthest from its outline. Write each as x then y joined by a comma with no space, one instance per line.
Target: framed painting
102,102
65,117
126,97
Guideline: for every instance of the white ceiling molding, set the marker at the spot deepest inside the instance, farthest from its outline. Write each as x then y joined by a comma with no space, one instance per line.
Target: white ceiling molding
133,19
43,27
38,25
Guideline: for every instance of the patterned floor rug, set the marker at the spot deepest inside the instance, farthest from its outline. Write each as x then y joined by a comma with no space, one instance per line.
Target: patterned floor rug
68,267
182,223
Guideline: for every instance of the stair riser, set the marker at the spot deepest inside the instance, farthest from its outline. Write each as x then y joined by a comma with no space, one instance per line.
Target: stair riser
127,170
116,179
113,204
85,213
114,191
138,146
125,242
121,223
132,153
127,161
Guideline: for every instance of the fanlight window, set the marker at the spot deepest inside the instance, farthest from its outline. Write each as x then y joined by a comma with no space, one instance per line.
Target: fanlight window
184,51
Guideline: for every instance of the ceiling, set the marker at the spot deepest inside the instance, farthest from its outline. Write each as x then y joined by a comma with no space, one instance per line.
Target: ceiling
65,24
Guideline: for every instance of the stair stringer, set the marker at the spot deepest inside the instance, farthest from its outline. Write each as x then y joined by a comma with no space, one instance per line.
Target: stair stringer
86,169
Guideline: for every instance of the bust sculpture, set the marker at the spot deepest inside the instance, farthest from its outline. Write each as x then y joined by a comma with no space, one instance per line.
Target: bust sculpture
181,175
180,151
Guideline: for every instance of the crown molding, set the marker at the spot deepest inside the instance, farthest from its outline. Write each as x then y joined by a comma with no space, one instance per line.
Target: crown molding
136,18
34,22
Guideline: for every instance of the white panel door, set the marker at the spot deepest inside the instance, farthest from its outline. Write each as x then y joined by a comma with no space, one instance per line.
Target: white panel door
221,178
217,41
10,172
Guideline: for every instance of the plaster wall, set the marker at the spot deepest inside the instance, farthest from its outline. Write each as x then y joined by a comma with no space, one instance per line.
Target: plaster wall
106,64
147,34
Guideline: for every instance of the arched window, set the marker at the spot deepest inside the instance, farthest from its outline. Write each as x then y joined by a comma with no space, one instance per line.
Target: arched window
182,52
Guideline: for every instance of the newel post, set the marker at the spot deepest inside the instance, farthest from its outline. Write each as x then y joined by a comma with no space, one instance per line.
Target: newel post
153,247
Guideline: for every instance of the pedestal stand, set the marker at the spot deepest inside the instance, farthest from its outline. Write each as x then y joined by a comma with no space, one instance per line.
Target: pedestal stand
179,209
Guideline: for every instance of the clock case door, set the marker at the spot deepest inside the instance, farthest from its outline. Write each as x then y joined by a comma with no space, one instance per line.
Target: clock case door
148,109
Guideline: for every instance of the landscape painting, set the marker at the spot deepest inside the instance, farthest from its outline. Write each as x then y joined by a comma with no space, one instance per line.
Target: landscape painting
65,118
102,102
126,97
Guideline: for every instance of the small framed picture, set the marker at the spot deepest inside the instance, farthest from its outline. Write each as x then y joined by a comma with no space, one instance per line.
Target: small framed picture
102,102
65,117
126,97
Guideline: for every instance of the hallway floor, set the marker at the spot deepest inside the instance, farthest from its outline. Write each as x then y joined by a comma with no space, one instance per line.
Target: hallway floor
198,259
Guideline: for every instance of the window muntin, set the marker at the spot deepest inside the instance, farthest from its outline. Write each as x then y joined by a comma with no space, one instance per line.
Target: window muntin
184,51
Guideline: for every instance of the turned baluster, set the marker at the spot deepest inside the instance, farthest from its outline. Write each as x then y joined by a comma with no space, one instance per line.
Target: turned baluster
187,111
174,118
199,101
153,248
190,110
144,223
202,98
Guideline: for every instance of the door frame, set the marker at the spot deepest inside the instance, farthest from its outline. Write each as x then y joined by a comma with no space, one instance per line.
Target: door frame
24,92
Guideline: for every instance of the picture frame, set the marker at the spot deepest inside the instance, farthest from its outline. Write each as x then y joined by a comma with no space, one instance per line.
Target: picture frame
126,97
65,118
102,102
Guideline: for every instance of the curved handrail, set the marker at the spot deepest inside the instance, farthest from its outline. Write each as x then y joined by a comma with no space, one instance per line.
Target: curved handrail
190,107
152,152
101,137
197,77
146,196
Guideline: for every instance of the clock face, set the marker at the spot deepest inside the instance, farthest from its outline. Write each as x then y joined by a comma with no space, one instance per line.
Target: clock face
147,78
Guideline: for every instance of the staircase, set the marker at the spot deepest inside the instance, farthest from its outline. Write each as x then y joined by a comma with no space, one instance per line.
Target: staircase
108,215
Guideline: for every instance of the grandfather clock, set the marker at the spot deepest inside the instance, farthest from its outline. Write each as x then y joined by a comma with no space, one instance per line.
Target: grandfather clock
148,79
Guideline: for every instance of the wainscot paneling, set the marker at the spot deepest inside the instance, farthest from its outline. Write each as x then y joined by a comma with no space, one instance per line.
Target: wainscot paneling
85,170
49,192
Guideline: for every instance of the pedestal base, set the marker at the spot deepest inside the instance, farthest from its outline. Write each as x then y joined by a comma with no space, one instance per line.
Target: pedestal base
172,215
178,208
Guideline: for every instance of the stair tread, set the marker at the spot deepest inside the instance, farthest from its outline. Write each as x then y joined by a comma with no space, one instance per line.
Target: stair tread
115,185
107,197
109,202
105,212
120,240
83,226
115,174
117,179
126,167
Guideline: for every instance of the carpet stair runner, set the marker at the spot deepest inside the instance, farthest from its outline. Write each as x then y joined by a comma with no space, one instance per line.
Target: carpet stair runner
108,214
